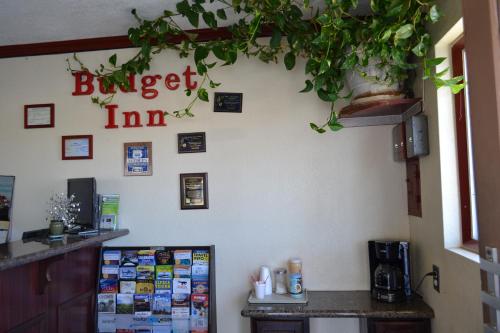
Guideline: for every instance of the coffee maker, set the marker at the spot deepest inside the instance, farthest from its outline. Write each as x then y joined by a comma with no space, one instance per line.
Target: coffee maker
390,278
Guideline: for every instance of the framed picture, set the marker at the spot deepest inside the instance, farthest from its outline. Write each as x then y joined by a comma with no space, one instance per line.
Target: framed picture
191,143
194,190
77,147
6,199
138,158
39,115
228,102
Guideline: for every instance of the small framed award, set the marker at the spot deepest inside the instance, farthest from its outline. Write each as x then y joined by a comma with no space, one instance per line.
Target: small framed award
191,143
39,115
77,147
138,158
194,190
228,102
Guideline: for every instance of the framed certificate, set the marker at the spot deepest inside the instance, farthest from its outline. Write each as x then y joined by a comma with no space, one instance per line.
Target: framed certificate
77,147
39,115
138,158
191,143
194,190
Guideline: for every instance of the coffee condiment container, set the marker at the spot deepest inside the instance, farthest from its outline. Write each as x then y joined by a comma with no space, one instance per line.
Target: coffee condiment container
295,266
280,281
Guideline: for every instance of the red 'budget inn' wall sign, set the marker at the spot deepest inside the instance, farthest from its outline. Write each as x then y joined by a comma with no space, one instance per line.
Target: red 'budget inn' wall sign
85,85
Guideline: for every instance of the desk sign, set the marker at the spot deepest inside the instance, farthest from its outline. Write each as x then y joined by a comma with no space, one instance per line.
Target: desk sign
191,143
228,102
194,190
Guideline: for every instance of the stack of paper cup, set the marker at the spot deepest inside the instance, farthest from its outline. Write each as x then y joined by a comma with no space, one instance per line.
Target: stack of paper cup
265,276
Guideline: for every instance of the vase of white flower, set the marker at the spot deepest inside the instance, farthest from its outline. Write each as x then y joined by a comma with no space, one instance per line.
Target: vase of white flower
62,212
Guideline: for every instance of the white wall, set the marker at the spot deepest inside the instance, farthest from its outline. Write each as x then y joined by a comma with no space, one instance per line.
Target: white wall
457,307
277,189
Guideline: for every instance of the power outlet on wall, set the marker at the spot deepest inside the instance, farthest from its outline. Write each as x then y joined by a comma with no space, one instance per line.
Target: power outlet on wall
435,277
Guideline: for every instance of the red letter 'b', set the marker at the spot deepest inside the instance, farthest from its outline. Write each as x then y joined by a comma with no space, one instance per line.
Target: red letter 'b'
83,79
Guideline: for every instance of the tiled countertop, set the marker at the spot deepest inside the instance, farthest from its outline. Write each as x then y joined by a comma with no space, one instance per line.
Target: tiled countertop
341,304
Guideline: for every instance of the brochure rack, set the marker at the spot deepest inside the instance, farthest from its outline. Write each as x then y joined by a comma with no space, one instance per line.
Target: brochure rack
156,289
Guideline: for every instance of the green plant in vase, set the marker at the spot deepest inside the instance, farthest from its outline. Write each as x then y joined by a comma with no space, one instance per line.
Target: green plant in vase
385,46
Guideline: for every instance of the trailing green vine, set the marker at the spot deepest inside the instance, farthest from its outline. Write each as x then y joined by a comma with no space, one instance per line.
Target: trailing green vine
330,39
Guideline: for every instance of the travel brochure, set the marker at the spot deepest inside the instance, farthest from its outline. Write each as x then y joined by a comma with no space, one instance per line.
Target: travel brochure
154,290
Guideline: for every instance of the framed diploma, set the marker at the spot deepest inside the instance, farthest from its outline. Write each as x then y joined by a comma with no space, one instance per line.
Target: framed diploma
138,158
194,191
39,115
191,143
77,147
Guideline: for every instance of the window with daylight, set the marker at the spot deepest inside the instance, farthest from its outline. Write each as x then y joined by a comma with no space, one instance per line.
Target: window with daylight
464,151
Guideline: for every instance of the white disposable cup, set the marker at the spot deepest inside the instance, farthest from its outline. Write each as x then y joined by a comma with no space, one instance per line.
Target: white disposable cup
260,290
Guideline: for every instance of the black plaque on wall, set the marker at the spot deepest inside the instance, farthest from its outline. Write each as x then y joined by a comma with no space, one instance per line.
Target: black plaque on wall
191,143
228,102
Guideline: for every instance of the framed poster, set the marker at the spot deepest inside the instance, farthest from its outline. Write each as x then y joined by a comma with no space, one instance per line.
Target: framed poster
138,158
77,147
191,143
6,196
228,102
194,190
39,115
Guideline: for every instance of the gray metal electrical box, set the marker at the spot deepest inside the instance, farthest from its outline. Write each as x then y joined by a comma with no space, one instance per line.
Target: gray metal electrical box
417,138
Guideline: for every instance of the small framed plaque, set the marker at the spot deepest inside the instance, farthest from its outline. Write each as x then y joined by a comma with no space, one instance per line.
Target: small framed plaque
39,115
228,102
191,143
194,190
77,147
138,158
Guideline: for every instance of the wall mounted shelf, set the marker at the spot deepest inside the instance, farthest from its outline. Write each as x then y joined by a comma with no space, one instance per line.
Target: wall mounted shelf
388,112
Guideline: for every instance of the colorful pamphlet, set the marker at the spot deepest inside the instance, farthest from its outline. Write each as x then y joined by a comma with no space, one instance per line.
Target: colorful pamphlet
181,286
163,286
109,206
142,305
183,257
110,271
164,257
106,303
200,257
180,313
129,257
108,286
127,287
199,286
162,304
146,257
127,273
182,271
199,324
106,322
144,287
199,305
199,272
145,272
111,257
124,303
181,300
164,272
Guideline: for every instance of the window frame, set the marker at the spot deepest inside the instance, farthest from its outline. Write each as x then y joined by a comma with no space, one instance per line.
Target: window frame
462,149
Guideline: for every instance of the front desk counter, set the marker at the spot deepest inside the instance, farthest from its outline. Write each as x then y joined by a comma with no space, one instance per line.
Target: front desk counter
50,286
412,316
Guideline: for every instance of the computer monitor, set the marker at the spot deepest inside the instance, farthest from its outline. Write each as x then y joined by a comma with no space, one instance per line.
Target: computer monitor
84,190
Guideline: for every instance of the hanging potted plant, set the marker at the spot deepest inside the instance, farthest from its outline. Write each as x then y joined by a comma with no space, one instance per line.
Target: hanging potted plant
381,48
